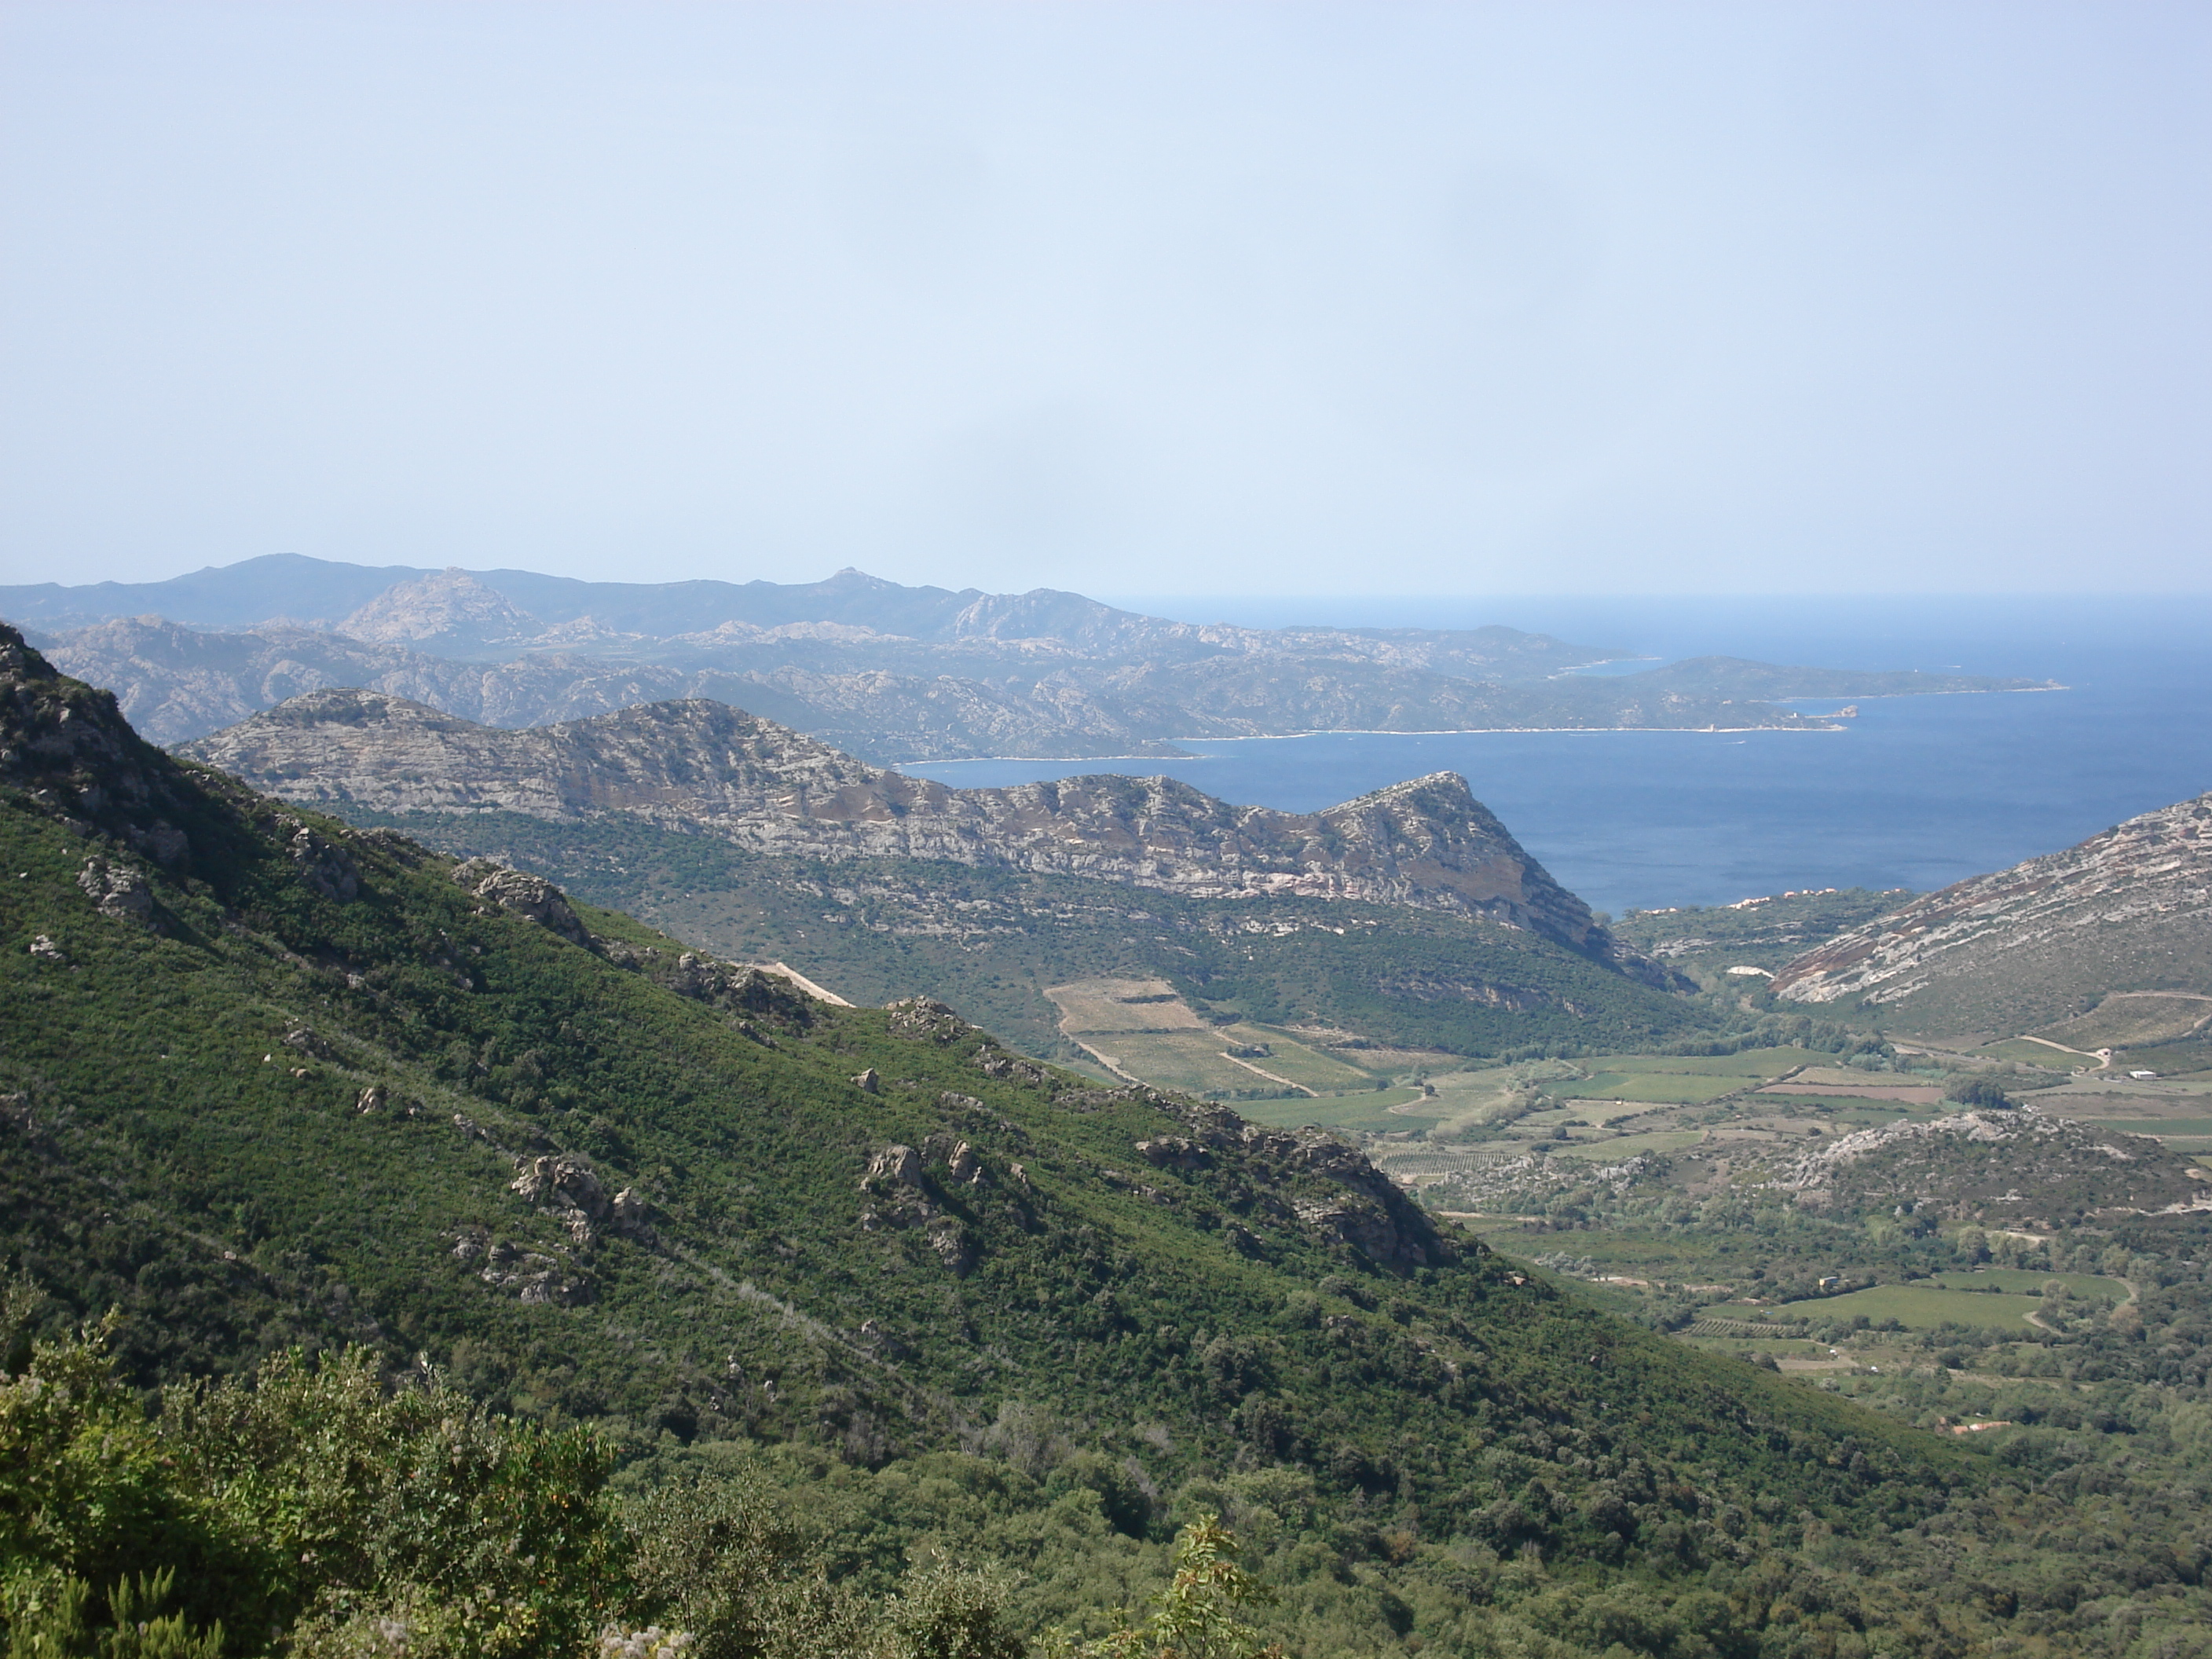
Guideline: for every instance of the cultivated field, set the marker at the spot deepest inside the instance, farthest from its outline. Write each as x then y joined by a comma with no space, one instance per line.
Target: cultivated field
1142,1028
1917,1308
1122,1004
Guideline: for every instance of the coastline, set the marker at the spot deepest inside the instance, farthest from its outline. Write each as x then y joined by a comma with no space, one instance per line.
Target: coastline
1362,732
1829,725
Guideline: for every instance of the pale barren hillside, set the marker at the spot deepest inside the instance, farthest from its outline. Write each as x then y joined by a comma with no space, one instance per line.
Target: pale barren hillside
2044,941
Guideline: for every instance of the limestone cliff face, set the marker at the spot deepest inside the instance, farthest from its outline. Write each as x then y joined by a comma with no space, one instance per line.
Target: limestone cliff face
2128,909
703,767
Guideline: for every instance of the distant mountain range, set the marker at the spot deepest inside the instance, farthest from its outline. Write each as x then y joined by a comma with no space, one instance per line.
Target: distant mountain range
886,671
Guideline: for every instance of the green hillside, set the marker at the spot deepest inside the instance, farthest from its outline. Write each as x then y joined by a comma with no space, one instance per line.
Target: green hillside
269,1081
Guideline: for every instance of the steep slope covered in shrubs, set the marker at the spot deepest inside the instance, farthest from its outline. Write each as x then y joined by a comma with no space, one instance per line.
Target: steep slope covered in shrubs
271,1081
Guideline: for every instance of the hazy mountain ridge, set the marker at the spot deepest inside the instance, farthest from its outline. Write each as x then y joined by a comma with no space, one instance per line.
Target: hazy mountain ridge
699,766
510,605
176,684
2129,909
180,684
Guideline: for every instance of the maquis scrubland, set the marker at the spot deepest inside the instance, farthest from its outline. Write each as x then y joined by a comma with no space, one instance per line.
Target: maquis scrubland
408,1259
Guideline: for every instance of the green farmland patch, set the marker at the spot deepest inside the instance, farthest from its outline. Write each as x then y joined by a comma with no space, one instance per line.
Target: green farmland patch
1589,1111
1741,1067
2089,1286
1887,1110
1286,1057
2025,1053
1917,1308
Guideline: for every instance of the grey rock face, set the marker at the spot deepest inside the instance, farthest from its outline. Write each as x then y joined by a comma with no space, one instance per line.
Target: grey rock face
631,1215
703,767
561,1179
327,870
566,1186
2128,909
948,1238
894,1166
117,890
531,897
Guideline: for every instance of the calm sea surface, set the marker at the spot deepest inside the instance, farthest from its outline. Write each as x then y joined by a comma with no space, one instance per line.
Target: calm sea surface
1918,792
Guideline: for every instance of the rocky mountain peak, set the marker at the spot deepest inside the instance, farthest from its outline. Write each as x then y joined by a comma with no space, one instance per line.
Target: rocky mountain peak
448,606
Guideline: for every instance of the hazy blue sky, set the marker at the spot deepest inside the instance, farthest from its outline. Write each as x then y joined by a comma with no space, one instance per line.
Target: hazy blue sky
1164,299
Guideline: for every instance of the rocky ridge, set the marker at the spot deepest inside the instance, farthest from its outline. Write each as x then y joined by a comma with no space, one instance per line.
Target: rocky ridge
2128,910
702,767
2022,1169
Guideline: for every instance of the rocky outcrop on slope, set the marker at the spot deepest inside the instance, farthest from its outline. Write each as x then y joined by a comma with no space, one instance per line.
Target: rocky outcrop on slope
2005,1169
531,897
702,767
2127,910
69,751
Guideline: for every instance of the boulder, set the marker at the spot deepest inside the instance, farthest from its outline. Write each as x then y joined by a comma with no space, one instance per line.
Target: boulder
1173,1152
894,1166
562,1180
324,869
117,890
531,897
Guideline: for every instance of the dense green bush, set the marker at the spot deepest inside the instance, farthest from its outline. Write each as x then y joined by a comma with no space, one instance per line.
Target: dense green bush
1983,1093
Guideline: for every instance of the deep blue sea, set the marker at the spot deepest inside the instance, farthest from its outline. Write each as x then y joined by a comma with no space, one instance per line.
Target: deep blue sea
1918,792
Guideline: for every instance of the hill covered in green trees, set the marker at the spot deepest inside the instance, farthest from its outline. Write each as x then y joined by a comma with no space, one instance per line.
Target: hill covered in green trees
273,1082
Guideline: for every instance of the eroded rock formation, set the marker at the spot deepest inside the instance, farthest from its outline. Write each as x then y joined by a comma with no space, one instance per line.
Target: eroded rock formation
695,766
